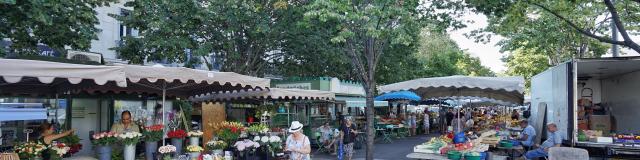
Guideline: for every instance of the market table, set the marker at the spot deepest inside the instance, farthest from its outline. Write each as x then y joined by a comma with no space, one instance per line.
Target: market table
426,156
510,150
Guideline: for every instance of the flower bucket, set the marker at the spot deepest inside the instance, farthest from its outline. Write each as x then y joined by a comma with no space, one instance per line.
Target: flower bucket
104,152
150,148
178,143
129,152
194,141
194,155
218,151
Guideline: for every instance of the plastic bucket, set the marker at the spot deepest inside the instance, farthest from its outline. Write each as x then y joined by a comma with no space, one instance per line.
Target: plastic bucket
459,138
454,155
506,144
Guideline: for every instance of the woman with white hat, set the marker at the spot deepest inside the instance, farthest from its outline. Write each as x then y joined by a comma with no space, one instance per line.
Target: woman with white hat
298,144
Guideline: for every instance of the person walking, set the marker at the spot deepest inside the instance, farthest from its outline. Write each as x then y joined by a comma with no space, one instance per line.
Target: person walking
298,144
348,135
412,124
426,121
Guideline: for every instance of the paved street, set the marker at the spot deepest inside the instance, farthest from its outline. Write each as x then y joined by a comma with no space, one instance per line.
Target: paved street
393,151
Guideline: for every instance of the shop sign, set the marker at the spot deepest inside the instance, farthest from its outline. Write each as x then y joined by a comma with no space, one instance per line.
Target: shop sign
305,86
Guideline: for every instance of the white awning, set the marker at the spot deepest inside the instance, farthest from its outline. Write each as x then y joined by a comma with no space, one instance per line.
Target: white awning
499,88
272,93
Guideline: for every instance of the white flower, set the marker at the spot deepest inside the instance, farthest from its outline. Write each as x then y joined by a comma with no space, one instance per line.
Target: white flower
265,139
274,139
256,138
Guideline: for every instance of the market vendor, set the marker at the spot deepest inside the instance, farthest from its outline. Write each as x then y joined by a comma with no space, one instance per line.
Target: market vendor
528,134
325,133
126,124
554,140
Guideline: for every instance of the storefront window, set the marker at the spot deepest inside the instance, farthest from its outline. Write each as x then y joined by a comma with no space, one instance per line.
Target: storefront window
23,114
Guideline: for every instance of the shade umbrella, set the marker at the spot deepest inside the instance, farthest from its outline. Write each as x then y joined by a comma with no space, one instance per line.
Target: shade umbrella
399,95
500,88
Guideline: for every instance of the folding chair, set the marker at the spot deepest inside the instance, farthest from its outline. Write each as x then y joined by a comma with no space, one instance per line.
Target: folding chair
320,143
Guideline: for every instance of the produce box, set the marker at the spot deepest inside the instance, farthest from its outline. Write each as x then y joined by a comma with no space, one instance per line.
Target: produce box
583,124
602,139
600,122
490,140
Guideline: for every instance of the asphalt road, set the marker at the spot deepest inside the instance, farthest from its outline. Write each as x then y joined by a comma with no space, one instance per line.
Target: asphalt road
393,151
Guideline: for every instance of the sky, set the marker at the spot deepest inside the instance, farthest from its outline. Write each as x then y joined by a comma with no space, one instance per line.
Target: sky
489,53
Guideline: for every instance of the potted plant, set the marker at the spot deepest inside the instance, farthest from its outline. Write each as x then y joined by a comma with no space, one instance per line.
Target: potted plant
103,141
57,150
177,137
194,137
194,151
258,129
247,149
272,146
151,136
30,150
129,140
166,151
217,146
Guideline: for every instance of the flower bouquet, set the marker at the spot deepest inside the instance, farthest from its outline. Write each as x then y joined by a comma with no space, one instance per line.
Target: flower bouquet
272,144
246,147
130,139
194,151
153,133
57,150
151,136
73,141
258,129
166,151
177,137
103,141
30,150
217,146
104,138
197,133
229,131
194,137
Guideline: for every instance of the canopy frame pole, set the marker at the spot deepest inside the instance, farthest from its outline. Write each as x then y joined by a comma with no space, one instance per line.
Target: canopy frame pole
164,95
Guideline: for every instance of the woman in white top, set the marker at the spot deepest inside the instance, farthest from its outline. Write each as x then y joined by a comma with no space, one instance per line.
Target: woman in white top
297,143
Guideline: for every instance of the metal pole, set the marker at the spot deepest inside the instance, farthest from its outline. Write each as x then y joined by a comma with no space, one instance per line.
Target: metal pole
614,36
164,95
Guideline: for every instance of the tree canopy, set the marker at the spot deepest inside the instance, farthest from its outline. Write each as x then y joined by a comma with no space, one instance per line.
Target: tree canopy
57,24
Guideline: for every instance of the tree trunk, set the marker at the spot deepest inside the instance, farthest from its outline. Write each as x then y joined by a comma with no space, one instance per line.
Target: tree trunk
370,86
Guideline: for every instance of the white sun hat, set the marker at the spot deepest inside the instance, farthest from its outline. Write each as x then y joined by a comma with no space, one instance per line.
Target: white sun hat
295,126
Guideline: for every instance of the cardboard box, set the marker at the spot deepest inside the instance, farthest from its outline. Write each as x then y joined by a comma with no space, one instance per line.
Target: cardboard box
600,123
583,124
602,139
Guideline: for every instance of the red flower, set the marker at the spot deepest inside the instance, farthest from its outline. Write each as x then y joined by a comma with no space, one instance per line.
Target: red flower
177,134
234,129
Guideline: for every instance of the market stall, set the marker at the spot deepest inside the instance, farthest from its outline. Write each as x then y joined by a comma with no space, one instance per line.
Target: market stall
38,78
507,89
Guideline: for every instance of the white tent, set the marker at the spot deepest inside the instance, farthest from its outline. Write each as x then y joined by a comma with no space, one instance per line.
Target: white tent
499,88
273,93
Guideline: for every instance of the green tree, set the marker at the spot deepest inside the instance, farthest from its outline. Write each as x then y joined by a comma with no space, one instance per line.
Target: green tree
587,21
56,23
366,28
523,63
243,34
440,56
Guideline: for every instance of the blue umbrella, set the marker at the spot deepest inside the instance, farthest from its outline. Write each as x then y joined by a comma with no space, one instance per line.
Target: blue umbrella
400,95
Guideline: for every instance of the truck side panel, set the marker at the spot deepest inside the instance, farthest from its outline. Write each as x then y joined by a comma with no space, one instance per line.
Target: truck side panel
552,87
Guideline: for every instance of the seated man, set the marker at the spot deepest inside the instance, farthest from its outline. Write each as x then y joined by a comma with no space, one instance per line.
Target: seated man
528,134
325,133
554,140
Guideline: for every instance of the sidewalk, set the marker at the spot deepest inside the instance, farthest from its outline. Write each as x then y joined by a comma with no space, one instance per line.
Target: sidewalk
392,151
